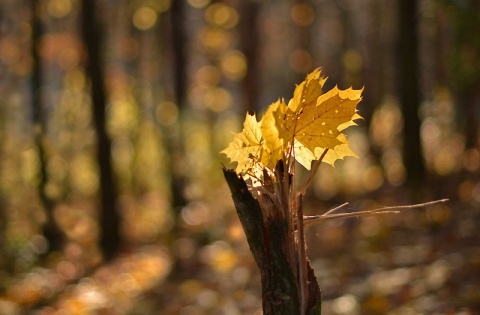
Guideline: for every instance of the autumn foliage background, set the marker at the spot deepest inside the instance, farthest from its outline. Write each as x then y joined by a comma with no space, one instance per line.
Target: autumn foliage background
178,78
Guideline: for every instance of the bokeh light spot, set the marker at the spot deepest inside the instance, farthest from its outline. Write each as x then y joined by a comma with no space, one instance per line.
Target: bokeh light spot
387,123
69,58
372,178
370,226
471,160
234,65
300,61
465,190
184,248
302,14
438,214
75,80
215,39
218,99
66,269
326,186
195,214
353,61
190,288
59,8
220,256
444,162
394,169
346,304
144,18
167,113
128,284
208,299
162,5
30,163
208,75
84,175
430,132
220,14
199,4
122,152
123,116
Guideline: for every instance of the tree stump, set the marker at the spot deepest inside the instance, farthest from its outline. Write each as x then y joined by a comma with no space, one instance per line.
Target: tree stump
268,238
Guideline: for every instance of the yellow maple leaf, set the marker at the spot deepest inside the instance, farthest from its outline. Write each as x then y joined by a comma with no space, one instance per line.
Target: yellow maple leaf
308,91
246,146
305,157
311,123
317,124
273,134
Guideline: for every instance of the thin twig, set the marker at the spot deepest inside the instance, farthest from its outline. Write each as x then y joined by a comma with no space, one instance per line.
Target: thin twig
312,220
336,208
419,205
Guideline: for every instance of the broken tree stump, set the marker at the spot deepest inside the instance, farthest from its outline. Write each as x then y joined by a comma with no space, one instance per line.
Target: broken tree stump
268,237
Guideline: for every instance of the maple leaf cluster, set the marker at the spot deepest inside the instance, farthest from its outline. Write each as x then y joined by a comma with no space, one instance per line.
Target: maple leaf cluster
307,129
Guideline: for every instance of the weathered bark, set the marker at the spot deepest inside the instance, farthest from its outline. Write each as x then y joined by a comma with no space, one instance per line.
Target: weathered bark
109,217
267,237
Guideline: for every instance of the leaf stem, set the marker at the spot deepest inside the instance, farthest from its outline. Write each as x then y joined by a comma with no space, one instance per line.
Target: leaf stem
312,172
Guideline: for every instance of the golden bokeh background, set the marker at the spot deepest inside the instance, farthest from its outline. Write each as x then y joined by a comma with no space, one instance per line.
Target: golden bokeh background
179,76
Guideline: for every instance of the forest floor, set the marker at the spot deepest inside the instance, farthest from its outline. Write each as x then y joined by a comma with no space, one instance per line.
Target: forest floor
421,261
424,261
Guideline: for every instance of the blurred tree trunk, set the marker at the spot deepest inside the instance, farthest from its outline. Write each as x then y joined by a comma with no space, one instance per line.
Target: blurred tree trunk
472,92
466,65
472,108
5,261
109,216
174,138
372,71
51,230
302,55
410,91
249,44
